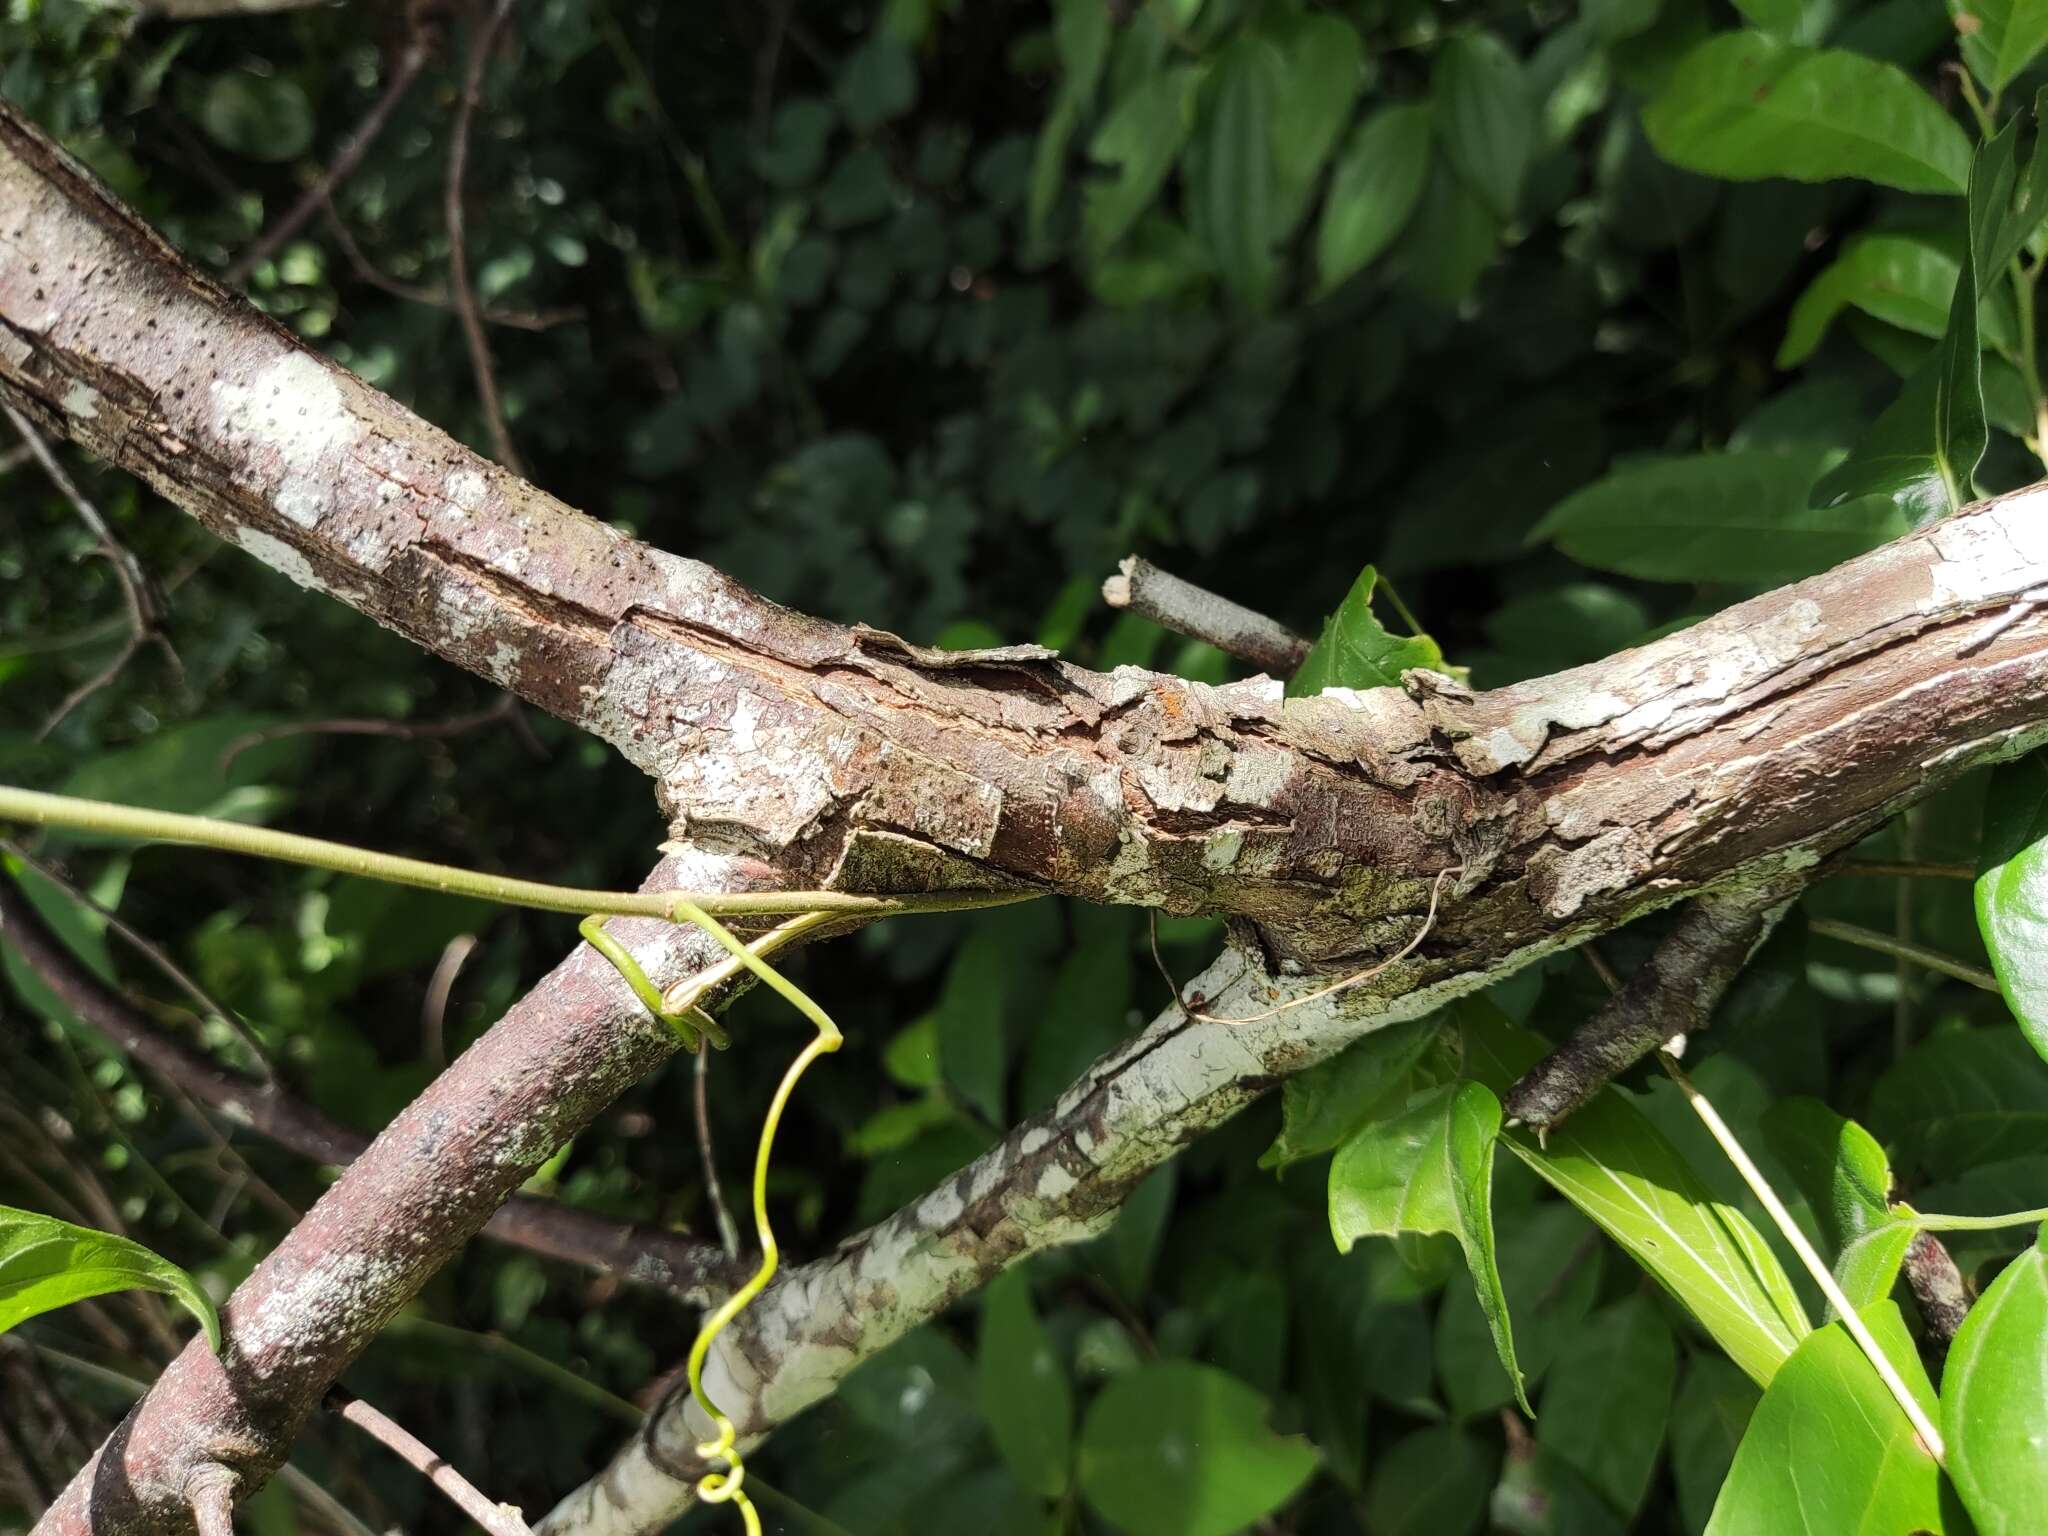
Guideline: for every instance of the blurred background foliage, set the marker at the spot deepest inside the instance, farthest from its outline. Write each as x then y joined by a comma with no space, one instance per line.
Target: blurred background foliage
924,314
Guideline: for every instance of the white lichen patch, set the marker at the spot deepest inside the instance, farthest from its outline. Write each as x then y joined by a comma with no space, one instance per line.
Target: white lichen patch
292,413
81,400
466,489
280,557
1998,551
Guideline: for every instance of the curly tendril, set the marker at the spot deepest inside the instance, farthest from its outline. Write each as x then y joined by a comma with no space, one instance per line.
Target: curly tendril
728,1484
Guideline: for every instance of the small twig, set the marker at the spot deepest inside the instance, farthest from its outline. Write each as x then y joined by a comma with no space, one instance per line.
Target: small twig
458,254
1428,922
145,611
14,458
434,1006
1877,867
411,61
1674,994
1189,610
209,1006
506,709
1939,1288
1822,1275
1903,949
498,1519
211,1491
376,277
728,1231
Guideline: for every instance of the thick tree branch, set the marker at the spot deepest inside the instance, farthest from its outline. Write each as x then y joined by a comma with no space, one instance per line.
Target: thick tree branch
1674,993
691,1271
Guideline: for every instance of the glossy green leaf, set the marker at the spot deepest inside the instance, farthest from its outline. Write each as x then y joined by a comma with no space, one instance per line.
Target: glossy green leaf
1180,1449
1846,1179
2011,219
1430,1169
1356,651
1321,71
1433,1482
1608,1398
1994,1401
2012,890
1726,517
1829,1452
2000,38
1714,1406
1961,1098
1904,280
1373,192
1140,141
1610,1162
1023,1388
1236,168
1894,459
1322,1107
1484,117
1551,1270
1744,106
46,1264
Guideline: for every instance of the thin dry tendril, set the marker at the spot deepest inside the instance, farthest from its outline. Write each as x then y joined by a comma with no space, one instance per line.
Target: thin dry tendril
1428,922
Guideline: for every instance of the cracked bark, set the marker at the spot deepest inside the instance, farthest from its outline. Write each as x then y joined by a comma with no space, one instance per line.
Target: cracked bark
691,1271
1740,751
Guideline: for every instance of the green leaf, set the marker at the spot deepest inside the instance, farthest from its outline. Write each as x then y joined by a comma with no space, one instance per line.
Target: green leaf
2019,213
878,82
1994,1401
1960,431
83,931
1140,140
1433,1482
1430,1169
2001,37
1829,1451
1903,280
1611,1163
1842,1171
46,1264
264,117
1714,1407
1608,1398
1963,1097
1721,517
180,769
1180,1449
1023,1388
2012,890
1894,459
972,1050
1355,650
1373,192
1321,71
1744,106
1449,242
1081,32
1484,117
1321,1108
1797,21
1551,1270
1235,173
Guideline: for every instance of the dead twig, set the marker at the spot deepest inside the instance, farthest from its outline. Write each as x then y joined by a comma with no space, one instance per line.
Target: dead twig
416,293
412,61
458,255
498,1519
1200,614
506,709
145,609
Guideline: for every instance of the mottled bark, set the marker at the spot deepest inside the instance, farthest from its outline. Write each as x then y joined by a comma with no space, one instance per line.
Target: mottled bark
1727,757
691,1271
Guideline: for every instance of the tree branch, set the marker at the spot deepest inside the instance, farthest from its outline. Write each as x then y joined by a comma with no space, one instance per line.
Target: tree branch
691,1271
1200,614
1674,993
458,238
496,1518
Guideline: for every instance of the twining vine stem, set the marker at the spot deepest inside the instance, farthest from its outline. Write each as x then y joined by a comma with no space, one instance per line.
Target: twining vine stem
100,816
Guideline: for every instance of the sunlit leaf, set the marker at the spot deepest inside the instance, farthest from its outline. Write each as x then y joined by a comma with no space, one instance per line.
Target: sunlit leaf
1994,1401
46,1264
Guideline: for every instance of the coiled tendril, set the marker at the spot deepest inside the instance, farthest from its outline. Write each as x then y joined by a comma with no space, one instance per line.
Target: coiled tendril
728,1484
